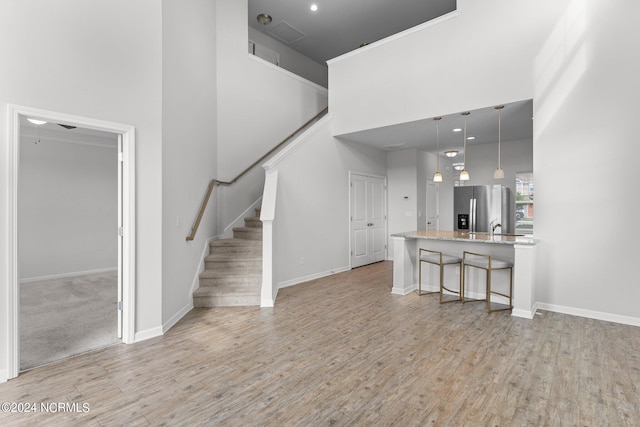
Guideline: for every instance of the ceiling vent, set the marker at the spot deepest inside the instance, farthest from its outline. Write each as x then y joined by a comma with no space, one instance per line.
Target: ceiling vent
285,33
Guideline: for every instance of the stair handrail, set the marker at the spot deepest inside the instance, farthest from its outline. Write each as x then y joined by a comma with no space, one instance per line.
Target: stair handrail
215,182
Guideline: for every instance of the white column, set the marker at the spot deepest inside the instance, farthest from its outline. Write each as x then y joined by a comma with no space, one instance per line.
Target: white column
404,259
267,216
524,281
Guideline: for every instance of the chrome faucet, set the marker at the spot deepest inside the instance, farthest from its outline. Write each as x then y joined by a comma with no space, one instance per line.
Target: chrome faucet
494,224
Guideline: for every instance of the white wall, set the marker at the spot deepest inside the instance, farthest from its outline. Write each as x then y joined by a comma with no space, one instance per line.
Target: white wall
566,56
585,128
98,59
258,104
189,144
402,193
469,62
68,203
291,60
424,161
482,161
311,232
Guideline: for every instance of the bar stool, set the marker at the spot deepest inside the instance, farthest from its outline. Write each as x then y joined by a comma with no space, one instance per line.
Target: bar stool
441,260
489,264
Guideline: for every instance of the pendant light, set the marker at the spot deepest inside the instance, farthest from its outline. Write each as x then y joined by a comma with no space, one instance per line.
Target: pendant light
437,177
499,173
464,175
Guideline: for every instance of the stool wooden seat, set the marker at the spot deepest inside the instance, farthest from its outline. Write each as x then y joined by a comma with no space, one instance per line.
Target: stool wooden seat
441,260
489,264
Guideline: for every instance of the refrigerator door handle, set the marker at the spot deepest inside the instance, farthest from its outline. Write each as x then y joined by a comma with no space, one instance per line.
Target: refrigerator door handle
472,215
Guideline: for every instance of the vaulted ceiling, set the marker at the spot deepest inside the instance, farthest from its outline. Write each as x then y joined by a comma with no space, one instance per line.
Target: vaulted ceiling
340,26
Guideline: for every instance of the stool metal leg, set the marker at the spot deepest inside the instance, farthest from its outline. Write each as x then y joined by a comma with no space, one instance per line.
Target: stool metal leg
488,291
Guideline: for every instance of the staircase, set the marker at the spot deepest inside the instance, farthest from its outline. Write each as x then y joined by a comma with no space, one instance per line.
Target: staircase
233,269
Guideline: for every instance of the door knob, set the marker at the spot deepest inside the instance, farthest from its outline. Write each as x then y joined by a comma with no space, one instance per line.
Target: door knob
370,224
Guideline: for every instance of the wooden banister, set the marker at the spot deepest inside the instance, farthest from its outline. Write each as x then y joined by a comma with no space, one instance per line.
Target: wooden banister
214,182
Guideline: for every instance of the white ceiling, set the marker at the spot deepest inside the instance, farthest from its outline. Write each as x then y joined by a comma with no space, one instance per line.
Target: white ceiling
517,123
61,132
340,26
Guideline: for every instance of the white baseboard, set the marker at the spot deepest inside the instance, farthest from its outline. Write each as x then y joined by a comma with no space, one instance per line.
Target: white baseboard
299,280
3,376
148,333
526,314
404,291
522,313
176,317
66,275
598,315
268,303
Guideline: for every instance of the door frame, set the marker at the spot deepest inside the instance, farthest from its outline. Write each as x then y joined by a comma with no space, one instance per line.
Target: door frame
426,206
127,241
386,218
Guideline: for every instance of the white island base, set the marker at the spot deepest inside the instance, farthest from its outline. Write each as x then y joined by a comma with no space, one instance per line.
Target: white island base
520,250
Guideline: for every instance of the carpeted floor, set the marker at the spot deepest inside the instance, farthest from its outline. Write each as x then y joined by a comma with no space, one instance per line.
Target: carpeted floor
64,317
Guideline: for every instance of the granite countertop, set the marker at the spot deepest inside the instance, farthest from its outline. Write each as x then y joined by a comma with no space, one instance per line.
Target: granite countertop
464,236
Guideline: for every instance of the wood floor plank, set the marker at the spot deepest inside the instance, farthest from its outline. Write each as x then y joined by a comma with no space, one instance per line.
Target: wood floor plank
342,350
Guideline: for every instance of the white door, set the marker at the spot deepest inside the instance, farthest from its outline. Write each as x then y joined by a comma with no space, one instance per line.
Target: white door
368,219
432,207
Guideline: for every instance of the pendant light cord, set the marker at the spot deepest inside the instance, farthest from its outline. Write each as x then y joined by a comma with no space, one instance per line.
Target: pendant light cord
465,143
438,144
499,136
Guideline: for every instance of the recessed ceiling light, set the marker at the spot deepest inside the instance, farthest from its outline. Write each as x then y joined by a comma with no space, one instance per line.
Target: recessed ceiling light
451,153
457,130
471,138
314,7
458,166
37,122
264,19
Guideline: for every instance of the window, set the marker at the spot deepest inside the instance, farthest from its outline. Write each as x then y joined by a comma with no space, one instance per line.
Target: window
524,203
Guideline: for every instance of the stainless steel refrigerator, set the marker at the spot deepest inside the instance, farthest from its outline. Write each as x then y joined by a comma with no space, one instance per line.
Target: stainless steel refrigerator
476,207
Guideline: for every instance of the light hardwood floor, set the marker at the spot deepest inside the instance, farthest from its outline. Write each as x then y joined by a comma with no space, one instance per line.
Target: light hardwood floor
342,350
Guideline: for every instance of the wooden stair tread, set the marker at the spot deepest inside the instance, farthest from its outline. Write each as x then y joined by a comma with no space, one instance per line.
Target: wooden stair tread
220,274
212,290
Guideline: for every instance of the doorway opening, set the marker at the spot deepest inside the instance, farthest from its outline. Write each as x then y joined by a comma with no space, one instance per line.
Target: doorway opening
433,206
72,237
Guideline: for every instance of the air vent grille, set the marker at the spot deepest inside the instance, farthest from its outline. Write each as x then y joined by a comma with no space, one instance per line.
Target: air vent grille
285,33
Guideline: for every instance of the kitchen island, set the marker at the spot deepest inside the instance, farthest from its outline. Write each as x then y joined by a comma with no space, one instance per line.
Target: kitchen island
519,249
